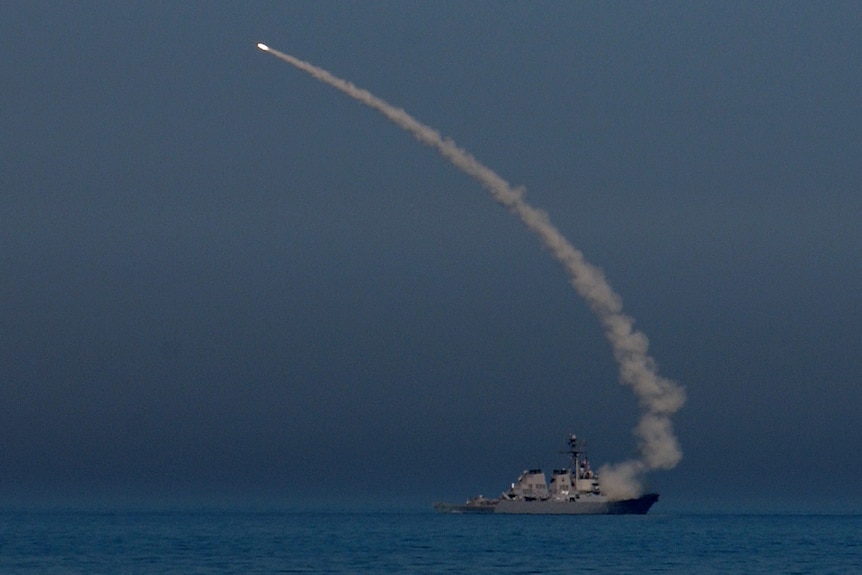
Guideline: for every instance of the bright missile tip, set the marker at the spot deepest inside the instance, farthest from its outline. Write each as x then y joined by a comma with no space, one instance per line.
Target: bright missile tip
263,46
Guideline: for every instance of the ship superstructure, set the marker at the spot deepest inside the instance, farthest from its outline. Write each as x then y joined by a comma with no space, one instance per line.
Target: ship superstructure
572,491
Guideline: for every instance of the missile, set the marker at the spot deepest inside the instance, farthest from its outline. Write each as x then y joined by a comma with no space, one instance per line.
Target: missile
263,46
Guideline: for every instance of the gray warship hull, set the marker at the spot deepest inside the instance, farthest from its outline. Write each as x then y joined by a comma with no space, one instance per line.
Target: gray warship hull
600,506
574,490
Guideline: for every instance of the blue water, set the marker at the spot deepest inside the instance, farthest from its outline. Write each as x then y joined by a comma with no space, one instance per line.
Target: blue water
423,542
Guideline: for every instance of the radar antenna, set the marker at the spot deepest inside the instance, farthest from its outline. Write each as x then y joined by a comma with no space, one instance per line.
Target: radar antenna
578,447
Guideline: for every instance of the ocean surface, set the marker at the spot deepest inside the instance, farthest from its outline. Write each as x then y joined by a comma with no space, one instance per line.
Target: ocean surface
199,542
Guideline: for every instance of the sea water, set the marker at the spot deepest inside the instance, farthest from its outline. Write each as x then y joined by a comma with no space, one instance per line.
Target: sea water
62,542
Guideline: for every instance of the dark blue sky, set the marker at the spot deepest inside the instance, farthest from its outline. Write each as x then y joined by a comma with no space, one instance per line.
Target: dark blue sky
223,280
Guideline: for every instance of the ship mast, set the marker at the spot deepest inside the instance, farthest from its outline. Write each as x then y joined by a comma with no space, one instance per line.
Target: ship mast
575,453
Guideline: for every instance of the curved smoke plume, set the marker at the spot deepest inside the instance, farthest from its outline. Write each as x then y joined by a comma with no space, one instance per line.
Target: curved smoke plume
659,398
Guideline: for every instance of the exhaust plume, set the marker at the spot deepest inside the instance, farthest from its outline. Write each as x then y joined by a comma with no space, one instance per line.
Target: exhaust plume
659,398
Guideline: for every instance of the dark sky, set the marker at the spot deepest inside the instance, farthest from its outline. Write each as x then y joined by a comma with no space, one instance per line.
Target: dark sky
222,280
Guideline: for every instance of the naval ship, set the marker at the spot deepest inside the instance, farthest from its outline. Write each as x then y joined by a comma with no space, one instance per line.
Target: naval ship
574,491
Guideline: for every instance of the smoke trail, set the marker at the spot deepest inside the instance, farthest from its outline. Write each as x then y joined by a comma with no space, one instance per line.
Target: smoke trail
658,397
